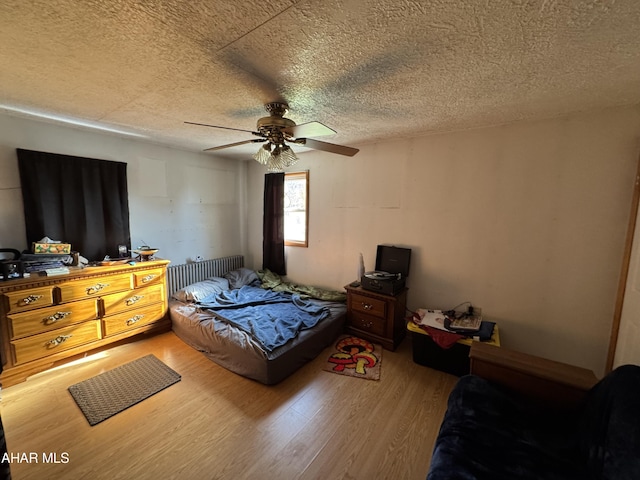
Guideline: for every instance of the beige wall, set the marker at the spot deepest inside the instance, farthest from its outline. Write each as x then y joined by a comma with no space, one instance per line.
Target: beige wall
526,221
184,203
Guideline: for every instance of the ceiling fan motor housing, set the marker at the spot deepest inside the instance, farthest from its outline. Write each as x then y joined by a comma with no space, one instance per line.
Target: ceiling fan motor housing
272,126
278,109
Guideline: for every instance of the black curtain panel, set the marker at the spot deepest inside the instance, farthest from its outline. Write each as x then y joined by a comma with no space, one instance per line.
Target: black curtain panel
273,224
81,201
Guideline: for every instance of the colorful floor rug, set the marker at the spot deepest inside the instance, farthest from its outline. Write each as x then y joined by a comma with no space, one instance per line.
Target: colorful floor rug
355,357
111,392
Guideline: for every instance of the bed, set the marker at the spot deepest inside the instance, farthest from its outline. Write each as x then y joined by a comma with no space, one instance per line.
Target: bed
219,312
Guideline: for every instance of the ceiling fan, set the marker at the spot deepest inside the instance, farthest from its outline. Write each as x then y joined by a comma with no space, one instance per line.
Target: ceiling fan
278,131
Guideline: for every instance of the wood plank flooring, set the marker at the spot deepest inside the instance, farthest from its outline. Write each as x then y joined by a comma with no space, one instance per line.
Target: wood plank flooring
214,424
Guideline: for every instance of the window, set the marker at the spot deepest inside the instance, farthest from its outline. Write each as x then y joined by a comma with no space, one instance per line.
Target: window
296,208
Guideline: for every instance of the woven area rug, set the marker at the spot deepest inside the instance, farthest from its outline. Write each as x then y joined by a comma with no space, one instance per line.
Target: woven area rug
355,357
111,392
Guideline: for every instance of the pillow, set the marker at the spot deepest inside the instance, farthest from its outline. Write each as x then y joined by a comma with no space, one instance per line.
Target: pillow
241,277
197,291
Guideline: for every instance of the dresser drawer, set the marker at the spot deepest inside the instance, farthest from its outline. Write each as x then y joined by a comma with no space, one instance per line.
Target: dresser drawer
29,299
133,318
369,305
368,323
50,343
125,301
140,279
94,287
50,318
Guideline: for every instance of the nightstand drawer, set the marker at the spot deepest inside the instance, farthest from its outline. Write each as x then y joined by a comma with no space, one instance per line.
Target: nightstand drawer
369,305
125,301
94,287
133,318
45,344
29,299
50,318
367,323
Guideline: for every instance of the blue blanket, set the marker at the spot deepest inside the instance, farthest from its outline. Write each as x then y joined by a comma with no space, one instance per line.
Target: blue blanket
271,318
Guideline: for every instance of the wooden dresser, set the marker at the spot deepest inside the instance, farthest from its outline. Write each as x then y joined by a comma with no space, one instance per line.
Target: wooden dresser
376,317
44,320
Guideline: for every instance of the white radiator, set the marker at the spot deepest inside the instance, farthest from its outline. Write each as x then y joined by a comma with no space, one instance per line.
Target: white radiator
179,276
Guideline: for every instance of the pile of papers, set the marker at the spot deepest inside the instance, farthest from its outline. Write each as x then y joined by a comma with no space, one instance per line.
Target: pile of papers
448,322
431,318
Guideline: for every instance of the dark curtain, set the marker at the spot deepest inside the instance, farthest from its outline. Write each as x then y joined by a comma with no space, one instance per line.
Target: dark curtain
273,224
81,201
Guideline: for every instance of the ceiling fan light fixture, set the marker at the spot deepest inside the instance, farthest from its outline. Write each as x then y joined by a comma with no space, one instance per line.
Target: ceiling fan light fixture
263,154
285,157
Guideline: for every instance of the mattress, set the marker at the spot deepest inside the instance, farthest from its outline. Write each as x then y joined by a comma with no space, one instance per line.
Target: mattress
236,350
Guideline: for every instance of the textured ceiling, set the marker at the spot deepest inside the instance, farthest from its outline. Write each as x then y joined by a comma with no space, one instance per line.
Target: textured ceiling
369,69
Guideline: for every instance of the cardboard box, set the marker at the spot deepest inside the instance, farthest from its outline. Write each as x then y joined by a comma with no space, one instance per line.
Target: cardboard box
55,248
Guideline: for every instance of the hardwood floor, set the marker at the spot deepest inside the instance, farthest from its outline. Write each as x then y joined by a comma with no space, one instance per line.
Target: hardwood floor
214,424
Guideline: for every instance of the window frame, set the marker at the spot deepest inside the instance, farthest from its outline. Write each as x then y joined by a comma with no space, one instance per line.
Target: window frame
303,175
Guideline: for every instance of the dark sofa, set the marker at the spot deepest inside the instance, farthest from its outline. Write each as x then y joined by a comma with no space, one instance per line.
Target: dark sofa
521,417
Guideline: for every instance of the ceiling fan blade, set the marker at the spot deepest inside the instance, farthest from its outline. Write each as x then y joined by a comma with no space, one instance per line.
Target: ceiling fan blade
226,128
253,140
309,129
327,147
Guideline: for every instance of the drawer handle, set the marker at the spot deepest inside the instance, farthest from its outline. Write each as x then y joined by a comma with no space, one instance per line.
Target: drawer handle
148,278
29,299
368,324
134,299
96,288
58,340
135,319
367,306
56,317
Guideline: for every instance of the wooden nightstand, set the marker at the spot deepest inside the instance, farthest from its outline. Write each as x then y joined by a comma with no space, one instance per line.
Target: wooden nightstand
376,317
